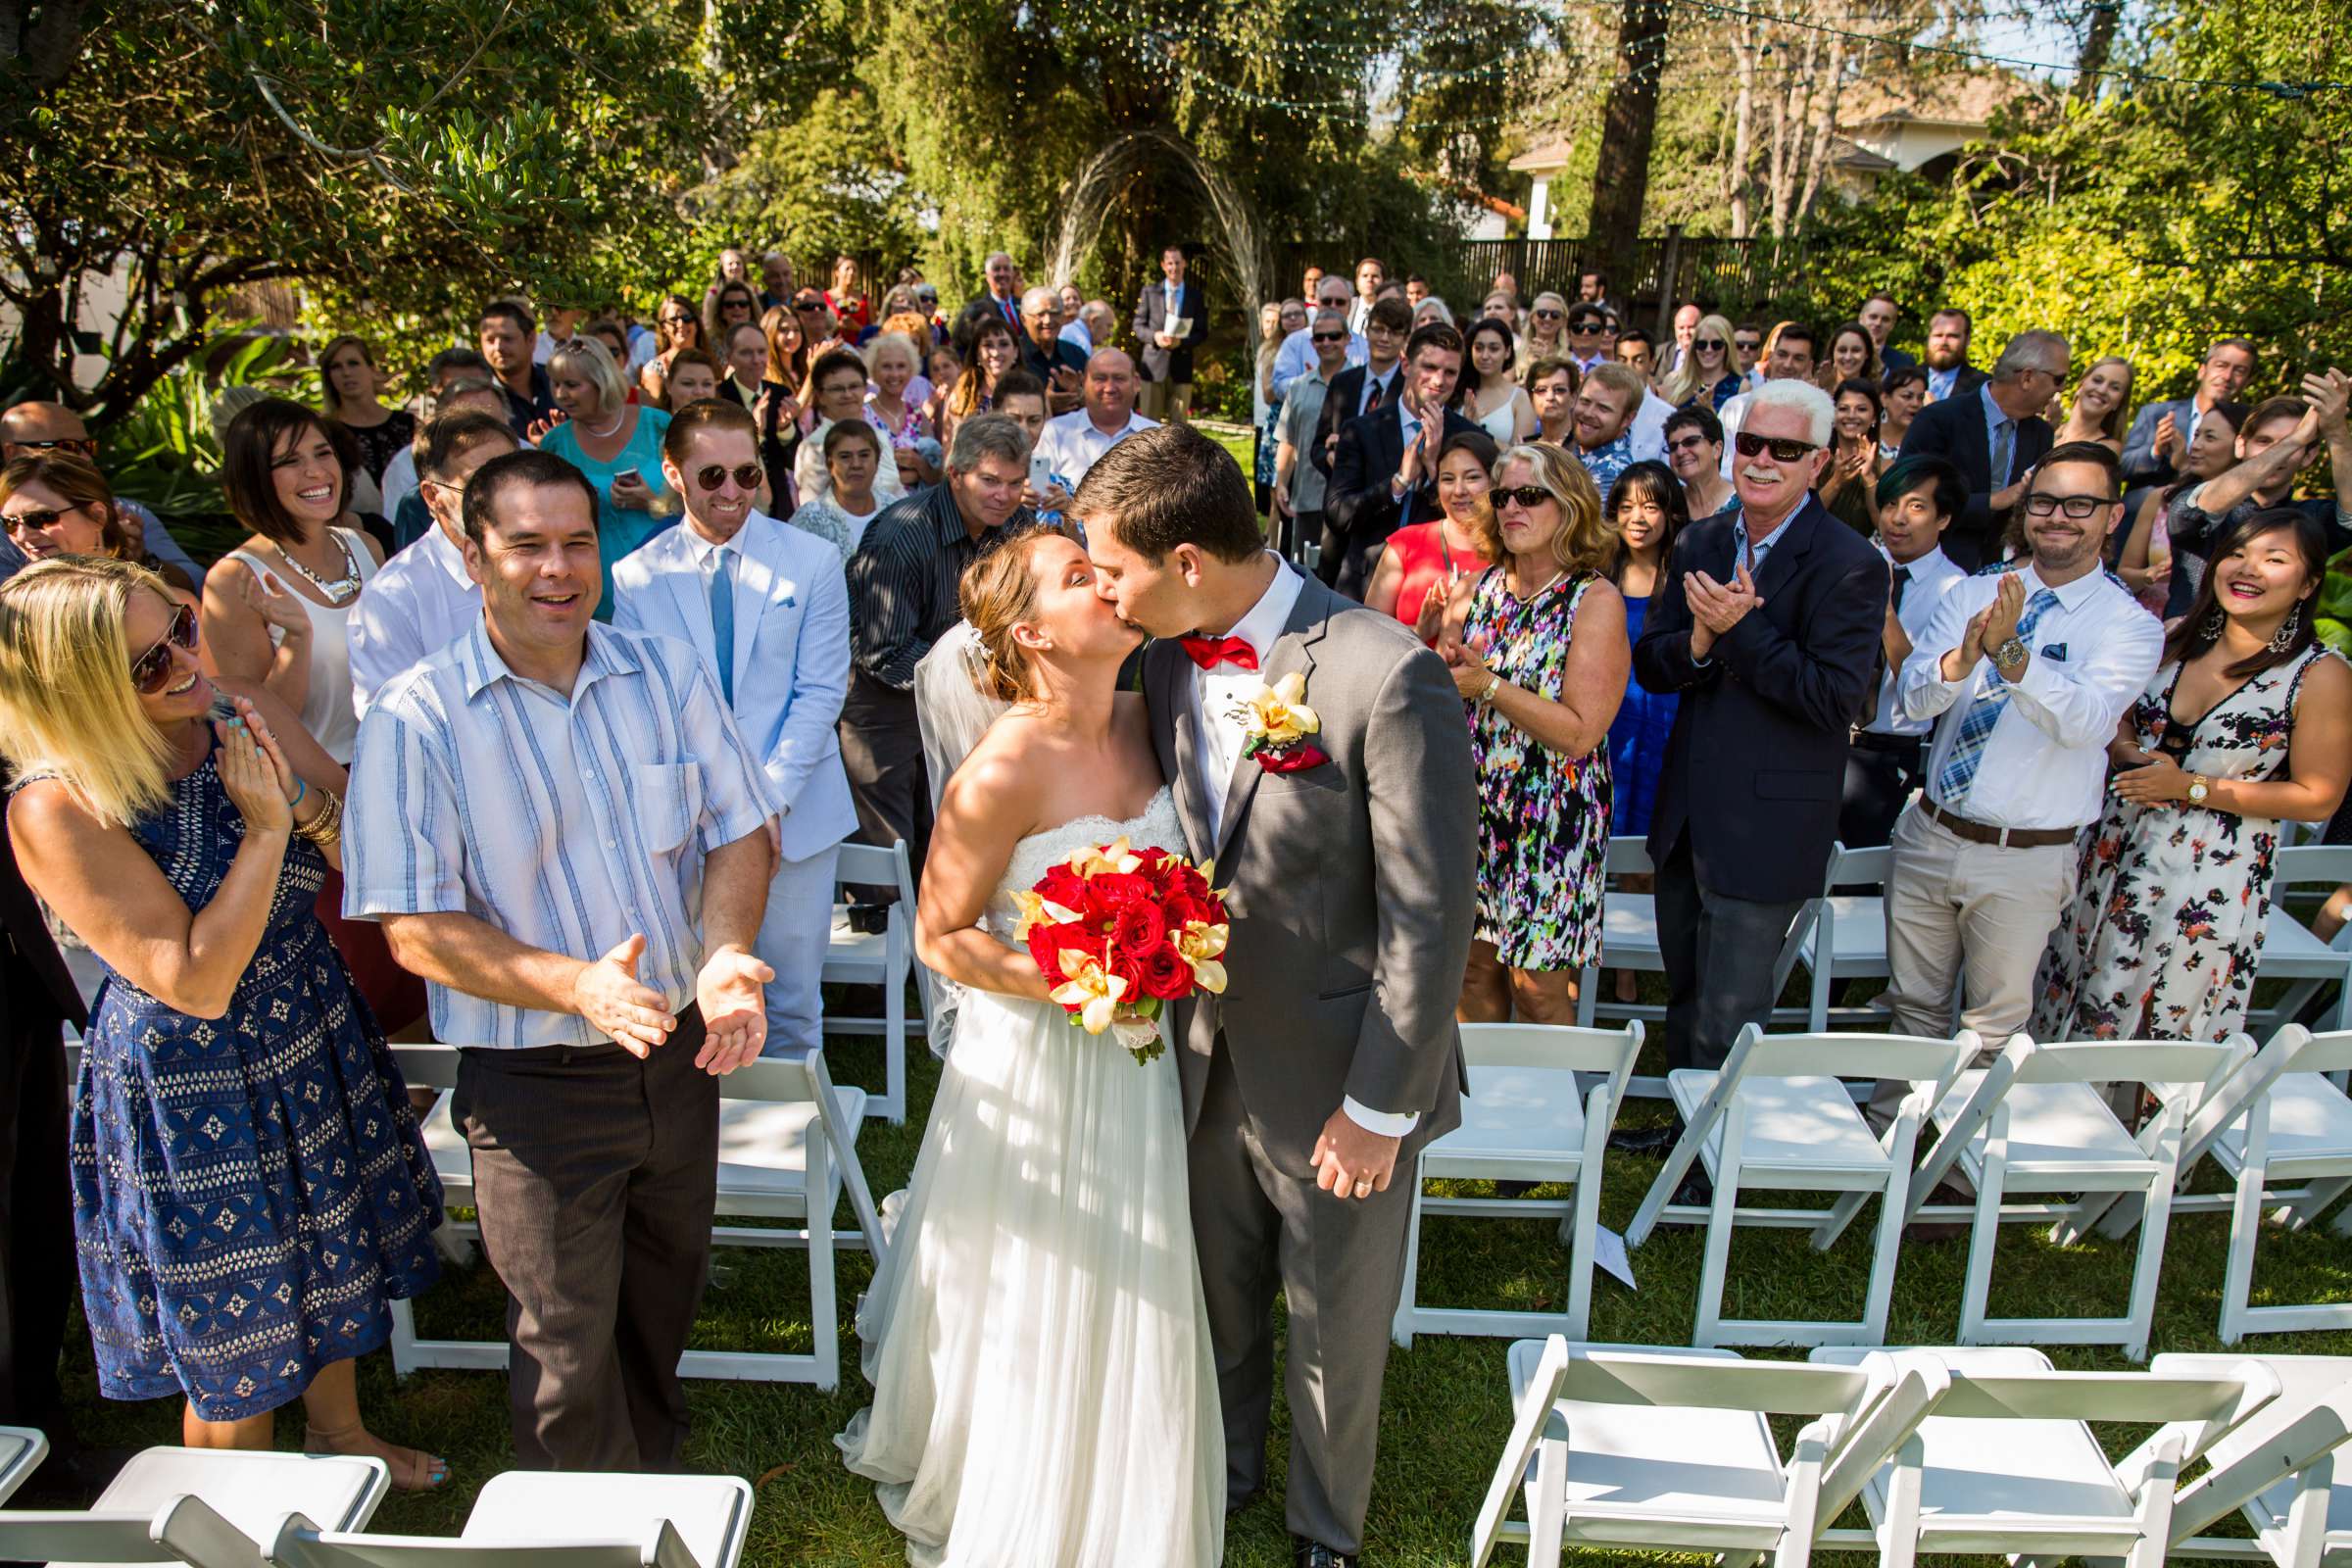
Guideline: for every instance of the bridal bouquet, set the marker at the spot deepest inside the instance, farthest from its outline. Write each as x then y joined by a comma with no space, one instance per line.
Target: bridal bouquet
1121,933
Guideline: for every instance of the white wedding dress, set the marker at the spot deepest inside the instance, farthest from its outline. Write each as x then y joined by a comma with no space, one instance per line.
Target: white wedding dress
1045,1395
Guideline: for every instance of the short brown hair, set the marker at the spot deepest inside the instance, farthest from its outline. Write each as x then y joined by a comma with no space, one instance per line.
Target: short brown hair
77,479
706,413
249,453
1392,312
1169,486
1550,362
996,593
448,437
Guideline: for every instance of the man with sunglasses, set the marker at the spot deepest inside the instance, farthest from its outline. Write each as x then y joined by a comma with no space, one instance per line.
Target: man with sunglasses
1588,335
2024,671
1768,629
1995,434
31,428
1297,357
767,608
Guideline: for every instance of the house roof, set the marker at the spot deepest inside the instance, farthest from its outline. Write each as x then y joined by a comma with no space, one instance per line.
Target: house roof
1544,156
1963,98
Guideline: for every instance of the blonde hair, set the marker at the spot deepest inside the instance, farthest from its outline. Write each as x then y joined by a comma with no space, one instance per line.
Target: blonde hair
1684,382
67,710
996,593
1582,542
593,363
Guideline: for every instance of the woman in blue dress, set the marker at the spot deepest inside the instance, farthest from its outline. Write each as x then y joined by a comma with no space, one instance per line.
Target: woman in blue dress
250,1189
1647,513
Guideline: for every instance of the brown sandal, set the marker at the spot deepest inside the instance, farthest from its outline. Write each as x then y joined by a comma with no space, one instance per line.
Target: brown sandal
413,1469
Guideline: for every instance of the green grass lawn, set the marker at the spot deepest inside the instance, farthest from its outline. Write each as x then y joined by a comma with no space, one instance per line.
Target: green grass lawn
1445,1405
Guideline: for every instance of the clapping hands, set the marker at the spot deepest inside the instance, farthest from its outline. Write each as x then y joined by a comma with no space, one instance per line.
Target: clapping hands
1716,606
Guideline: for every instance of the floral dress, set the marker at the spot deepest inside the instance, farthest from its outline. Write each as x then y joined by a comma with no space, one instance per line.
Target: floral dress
1542,818
2164,931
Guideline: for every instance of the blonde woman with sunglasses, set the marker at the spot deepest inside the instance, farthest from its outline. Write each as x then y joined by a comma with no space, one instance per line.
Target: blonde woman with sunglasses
250,1188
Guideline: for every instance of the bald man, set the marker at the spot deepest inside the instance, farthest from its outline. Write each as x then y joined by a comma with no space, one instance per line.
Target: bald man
1059,365
32,429
1075,442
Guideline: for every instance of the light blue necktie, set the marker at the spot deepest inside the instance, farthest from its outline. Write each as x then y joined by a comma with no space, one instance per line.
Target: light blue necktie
722,623
1975,726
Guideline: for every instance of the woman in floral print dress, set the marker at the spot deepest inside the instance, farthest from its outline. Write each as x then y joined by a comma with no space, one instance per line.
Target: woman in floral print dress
1541,661
2164,931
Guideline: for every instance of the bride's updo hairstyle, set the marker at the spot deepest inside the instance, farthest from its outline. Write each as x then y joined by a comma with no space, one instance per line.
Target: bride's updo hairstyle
999,592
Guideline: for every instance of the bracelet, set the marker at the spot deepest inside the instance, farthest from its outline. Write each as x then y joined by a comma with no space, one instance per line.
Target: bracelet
302,787
327,826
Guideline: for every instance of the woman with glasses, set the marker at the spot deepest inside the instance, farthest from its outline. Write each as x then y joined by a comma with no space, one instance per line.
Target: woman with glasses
1706,372
250,1189
1849,484
58,504
1547,328
1541,661
1425,569
617,445
2247,723
1489,397
1902,393
676,327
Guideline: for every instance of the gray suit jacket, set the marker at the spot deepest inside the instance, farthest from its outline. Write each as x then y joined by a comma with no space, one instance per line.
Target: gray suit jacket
1353,883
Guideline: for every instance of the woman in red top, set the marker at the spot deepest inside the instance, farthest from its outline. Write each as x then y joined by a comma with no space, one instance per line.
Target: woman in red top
1420,567
848,303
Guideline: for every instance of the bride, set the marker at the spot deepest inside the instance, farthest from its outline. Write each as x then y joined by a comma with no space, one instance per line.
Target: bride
1044,1390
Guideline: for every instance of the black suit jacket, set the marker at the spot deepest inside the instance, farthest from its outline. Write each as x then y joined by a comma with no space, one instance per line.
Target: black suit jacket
1358,511
1891,358
1151,316
1346,391
1954,430
1756,766
36,989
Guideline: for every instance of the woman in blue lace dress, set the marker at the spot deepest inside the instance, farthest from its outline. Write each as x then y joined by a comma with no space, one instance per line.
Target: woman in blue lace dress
250,1189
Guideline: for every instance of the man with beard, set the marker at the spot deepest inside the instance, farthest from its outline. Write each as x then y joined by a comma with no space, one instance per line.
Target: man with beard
1949,375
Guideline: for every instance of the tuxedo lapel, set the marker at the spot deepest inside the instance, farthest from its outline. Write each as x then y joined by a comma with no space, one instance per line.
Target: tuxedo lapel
755,586
689,592
1293,651
1177,738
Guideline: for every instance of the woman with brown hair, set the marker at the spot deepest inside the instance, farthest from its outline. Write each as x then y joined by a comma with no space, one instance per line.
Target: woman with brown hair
676,327
993,353
58,504
348,384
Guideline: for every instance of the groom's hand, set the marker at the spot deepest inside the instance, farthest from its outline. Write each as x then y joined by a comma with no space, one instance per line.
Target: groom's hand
1351,1160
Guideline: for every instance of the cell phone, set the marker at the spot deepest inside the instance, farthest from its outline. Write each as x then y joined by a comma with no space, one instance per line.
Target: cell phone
1041,472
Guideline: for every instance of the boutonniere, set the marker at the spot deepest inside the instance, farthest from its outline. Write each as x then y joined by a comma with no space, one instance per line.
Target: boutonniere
1275,725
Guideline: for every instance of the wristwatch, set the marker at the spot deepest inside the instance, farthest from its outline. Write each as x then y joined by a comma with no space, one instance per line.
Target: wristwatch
2009,653
2199,786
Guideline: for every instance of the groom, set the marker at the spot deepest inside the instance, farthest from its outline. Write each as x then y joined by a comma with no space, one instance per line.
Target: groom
1311,1085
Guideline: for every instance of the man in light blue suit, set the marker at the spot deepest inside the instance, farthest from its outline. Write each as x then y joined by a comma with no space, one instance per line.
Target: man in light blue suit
767,608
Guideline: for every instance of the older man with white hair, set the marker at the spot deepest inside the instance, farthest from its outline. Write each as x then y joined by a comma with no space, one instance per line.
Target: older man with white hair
1769,631
1058,366
1074,442
1003,293
1298,357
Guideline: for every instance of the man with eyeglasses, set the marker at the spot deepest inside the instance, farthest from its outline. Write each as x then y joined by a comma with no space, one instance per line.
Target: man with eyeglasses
1298,482
1363,388
1993,435
423,598
34,427
1298,354
2025,672
1058,366
1768,629
767,608
1588,335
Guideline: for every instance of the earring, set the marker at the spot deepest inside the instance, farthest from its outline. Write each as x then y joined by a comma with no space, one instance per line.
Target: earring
2213,624
2284,637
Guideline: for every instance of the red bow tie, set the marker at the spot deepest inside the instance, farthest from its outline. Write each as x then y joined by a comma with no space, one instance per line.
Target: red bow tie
1210,651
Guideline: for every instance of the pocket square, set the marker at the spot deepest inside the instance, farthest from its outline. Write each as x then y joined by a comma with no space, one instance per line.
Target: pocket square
2055,651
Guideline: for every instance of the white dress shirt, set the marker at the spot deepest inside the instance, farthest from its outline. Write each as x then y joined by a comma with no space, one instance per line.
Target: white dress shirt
417,605
1931,577
399,481
811,481
1649,429
1217,697
2045,762
1074,443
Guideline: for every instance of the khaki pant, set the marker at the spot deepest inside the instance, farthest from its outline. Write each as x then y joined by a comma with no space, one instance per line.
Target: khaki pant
1168,402
1978,913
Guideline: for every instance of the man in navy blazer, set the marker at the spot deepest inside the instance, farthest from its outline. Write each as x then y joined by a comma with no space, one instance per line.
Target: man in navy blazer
766,605
1767,624
1380,482
1969,428
2153,448
1168,394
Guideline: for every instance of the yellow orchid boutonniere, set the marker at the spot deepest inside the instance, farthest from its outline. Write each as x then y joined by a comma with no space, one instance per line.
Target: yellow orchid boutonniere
1275,724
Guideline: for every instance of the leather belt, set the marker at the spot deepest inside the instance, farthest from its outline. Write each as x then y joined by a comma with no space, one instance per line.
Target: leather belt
1879,740
2007,838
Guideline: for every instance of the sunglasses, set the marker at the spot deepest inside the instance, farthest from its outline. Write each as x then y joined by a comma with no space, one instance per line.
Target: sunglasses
1529,496
1329,337
1548,316
42,519
1711,344
1782,451
808,305
1747,345
1587,329
85,445
712,475
151,672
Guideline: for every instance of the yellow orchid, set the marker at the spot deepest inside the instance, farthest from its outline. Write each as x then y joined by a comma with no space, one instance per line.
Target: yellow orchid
1277,716
1092,989
1112,856
1200,945
1037,909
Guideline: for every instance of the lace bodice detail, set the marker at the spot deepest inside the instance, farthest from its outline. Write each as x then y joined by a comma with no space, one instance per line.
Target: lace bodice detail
1159,827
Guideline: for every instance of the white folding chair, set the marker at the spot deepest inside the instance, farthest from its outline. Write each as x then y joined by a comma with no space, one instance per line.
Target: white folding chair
1671,1449
1778,1116
2276,1467
543,1519
769,1164
1522,1121
882,959
2033,1122
22,1451
205,1508
2291,950
2008,1463
1847,941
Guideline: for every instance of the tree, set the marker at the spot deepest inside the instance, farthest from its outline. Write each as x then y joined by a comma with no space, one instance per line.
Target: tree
1621,179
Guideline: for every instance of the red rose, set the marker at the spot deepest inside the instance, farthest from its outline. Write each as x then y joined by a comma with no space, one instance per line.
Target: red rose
1130,969
1166,975
1138,926
1292,759
1114,890
1181,909
1048,941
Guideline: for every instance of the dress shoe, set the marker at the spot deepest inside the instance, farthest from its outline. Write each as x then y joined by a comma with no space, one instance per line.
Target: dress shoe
1696,1190
1306,1554
1243,1500
1645,1140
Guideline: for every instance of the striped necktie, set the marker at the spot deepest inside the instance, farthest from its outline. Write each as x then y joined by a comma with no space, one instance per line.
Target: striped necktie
1959,769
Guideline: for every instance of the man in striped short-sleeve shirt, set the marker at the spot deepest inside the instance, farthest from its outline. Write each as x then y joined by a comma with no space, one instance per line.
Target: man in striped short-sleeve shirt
563,833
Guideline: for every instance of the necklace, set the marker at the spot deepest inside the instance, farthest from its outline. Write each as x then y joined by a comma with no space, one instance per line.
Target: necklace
599,435
342,588
1529,597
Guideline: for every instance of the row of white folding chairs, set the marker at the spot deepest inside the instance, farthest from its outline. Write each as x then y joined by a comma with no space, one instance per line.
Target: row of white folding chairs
884,958
1780,1115
239,1508
787,1133
1842,936
1974,1452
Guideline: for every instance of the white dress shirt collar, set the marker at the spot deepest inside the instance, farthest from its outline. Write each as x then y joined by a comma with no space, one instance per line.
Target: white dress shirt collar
702,550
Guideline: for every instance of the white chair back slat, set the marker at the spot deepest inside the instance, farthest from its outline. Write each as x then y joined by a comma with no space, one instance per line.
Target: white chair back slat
1776,1388
2137,1061
2091,1397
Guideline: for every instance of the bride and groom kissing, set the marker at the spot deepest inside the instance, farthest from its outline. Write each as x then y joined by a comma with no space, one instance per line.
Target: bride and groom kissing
1071,1340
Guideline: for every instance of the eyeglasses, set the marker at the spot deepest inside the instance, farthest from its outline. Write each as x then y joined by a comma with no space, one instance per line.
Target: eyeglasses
1782,451
82,444
42,519
2075,507
1529,496
1688,443
1327,337
151,672
712,475
1713,344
